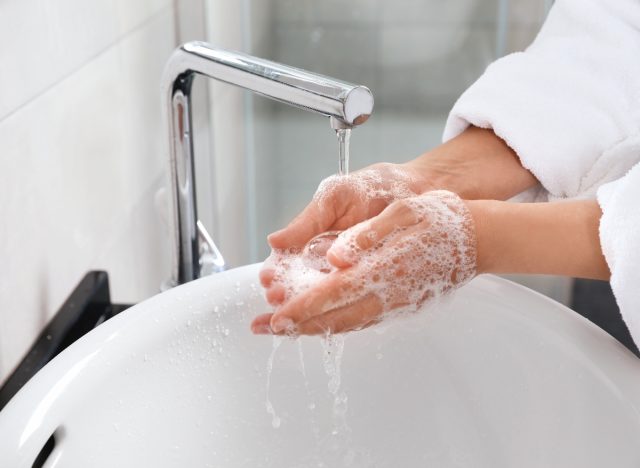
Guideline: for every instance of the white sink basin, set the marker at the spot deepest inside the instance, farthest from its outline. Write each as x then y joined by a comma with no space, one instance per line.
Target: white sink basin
498,377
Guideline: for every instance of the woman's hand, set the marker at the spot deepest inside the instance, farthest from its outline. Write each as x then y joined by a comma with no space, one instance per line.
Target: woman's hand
417,249
343,201
339,203
466,165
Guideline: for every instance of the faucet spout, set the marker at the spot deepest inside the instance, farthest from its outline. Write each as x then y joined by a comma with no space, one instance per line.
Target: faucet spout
346,104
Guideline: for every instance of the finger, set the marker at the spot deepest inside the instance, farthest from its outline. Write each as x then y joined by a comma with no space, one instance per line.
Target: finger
363,236
314,301
361,314
397,215
266,277
260,324
276,294
313,220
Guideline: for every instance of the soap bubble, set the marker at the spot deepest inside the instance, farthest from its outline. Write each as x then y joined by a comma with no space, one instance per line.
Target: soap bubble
432,253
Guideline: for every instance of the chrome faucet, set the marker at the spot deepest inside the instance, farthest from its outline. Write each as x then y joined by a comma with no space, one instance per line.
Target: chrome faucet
347,105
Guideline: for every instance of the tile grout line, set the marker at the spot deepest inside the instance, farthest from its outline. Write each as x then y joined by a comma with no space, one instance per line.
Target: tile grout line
93,57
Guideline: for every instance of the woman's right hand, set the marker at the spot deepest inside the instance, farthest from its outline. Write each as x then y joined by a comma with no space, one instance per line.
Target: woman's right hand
341,202
467,165
416,250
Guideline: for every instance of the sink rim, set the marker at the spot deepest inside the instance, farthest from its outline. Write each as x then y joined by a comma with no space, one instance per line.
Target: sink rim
24,430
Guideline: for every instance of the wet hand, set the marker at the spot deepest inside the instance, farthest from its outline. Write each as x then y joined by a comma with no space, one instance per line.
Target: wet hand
343,201
340,203
415,250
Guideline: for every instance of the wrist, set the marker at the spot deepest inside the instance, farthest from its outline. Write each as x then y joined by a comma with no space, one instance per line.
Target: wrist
436,170
559,238
482,213
477,164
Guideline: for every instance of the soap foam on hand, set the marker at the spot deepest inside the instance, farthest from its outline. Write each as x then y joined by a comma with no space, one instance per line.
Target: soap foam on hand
294,271
423,259
431,253
382,183
369,191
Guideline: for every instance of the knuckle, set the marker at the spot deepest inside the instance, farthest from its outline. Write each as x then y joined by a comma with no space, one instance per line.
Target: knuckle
337,325
366,239
401,209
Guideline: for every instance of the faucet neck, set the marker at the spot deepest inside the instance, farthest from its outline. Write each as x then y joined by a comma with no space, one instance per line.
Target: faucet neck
346,104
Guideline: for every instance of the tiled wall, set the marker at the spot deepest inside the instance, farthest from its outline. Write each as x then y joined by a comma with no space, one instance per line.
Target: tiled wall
82,154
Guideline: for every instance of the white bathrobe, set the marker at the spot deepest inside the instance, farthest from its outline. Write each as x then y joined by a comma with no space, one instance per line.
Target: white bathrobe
569,106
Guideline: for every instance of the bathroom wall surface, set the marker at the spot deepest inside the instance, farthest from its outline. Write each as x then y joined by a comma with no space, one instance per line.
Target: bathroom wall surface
82,155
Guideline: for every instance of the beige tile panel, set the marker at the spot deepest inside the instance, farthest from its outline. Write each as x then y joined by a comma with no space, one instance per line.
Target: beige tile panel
77,166
438,12
41,42
326,11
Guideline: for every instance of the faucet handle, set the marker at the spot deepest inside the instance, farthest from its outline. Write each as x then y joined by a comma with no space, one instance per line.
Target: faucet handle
211,260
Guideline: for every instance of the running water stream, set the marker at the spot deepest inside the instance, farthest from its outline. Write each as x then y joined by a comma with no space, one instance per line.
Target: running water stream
344,136
332,347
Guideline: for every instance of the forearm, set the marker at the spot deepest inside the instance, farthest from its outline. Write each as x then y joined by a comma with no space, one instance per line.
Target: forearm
539,238
475,165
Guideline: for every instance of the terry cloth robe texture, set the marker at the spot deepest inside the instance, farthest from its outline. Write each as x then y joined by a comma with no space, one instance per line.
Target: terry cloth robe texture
569,106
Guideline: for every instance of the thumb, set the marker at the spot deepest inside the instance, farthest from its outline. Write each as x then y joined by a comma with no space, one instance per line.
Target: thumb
313,220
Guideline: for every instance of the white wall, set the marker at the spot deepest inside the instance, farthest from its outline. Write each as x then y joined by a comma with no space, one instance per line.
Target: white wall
237,165
416,55
82,154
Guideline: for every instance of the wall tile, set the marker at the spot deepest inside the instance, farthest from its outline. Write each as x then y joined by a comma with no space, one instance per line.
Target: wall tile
408,45
438,12
229,179
136,253
292,10
339,11
41,42
430,82
345,53
527,12
520,36
260,21
132,14
325,11
224,29
78,166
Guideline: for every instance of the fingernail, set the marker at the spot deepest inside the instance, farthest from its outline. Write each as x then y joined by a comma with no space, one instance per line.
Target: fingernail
343,253
281,324
263,329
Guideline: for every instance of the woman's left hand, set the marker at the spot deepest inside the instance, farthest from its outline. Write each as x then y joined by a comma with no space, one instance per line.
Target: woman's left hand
417,249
